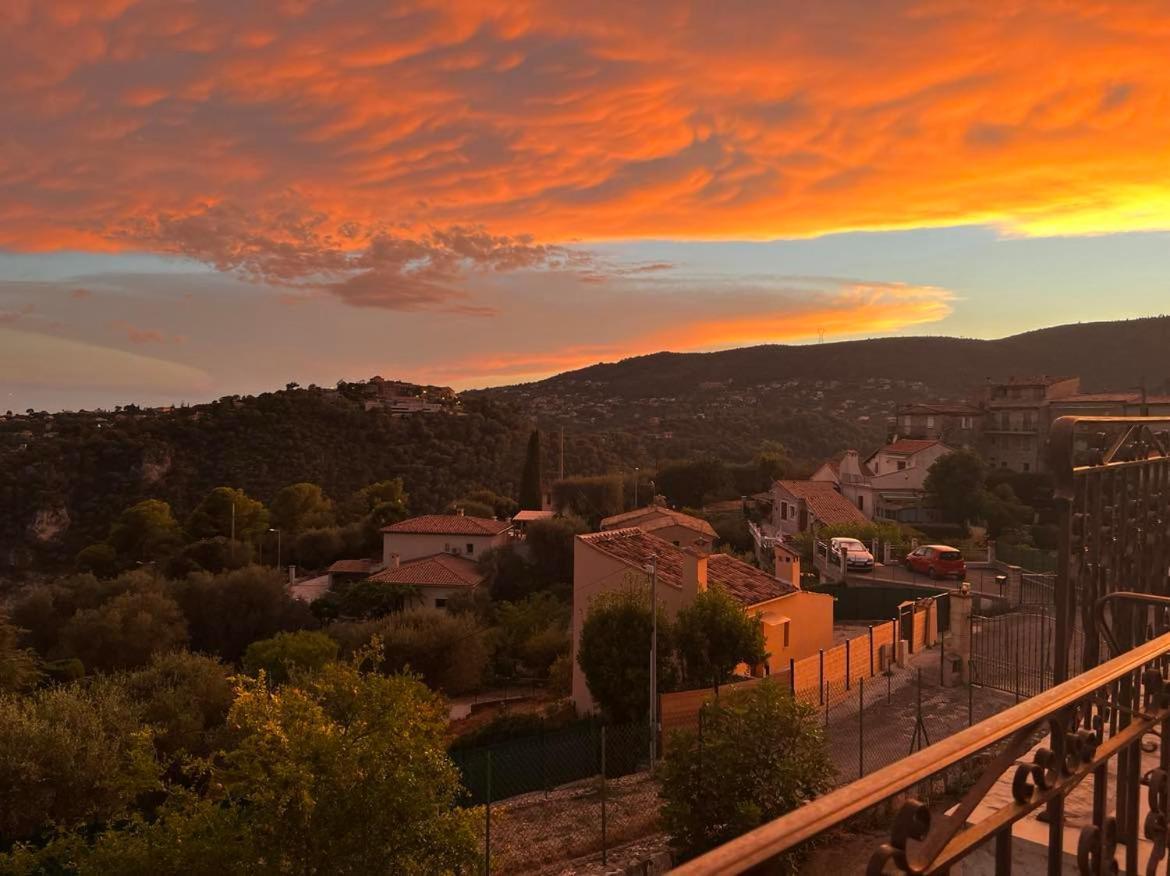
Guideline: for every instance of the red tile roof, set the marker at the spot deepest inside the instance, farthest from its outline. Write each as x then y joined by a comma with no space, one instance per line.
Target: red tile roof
909,446
351,567
960,409
824,502
449,524
655,517
437,570
633,546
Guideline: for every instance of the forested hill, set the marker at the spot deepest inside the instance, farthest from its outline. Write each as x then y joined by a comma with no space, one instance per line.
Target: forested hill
1106,355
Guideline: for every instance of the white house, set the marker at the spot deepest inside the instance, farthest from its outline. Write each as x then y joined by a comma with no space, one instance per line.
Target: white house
469,537
891,483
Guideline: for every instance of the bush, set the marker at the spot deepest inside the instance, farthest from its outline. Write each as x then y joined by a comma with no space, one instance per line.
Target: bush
447,650
125,632
763,754
70,756
287,653
185,697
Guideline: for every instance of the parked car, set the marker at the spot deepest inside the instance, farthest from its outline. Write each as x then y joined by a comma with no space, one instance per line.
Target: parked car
937,561
857,555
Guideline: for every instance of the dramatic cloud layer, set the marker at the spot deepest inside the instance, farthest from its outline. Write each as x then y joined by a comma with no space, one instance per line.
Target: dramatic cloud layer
565,122
406,156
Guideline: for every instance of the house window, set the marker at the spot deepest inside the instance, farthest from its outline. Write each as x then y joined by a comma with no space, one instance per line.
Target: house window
783,510
470,548
787,624
1026,466
901,465
966,423
861,503
930,422
440,602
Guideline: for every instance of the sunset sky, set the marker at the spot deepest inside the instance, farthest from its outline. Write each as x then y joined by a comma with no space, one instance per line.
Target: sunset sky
210,197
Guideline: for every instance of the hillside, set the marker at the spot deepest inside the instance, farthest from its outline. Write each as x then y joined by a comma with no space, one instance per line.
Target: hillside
63,477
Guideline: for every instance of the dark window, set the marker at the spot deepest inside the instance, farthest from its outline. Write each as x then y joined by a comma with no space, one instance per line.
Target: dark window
950,556
901,465
440,602
787,624
470,548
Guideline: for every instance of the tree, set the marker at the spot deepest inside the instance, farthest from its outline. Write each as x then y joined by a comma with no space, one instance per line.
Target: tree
345,772
956,482
317,548
18,666
226,613
287,653
550,546
384,502
213,555
762,754
470,507
531,479
145,532
212,517
590,498
614,653
531,633
125,632
301,506
368,600
98,558
185,698
692,482
507,575
714,635
69,756
447,650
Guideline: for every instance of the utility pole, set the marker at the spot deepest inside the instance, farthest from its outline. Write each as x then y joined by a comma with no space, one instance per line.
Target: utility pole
277,531
653,570
562,477
636,470
233,518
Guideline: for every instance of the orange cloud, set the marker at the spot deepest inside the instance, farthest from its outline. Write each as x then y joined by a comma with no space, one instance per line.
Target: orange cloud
712,121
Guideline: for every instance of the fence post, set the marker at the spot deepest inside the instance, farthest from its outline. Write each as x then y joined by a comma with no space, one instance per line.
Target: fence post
604,850
848,665
871,672
860,727
821,678
792,676
825,698
487,832
970,695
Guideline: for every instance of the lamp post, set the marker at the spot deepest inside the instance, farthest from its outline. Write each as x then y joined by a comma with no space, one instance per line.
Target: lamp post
277,531
636,470
652,568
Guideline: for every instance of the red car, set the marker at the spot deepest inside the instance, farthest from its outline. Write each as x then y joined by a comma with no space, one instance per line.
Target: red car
937,561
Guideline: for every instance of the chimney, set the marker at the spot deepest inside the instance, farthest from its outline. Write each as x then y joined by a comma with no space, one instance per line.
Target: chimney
393,564
694,570
787,565
459,510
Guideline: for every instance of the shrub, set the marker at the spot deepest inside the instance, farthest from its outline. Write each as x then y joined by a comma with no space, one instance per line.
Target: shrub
287,653
125,632
762,754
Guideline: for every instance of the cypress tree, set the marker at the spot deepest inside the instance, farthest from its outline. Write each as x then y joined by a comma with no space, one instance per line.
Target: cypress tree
530,498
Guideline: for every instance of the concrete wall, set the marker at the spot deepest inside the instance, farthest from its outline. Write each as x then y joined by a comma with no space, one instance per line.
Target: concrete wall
412,546
810,627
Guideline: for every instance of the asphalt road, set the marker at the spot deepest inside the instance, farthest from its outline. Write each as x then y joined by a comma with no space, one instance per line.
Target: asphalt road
981,580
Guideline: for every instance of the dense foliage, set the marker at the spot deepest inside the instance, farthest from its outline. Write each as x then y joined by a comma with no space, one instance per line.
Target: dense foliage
761,755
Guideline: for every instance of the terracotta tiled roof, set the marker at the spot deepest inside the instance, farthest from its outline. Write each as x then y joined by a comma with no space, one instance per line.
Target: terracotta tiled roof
633,546
959,409
437,570
353,567
449,524
656,517
1045,380
909,446
824,502
529,516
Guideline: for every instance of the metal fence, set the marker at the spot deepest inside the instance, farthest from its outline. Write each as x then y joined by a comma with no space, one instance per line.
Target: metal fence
560,795
876,721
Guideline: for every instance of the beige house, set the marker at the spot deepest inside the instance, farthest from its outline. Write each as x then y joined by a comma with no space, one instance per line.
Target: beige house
433,579
796,623
798,506
469,537
675,527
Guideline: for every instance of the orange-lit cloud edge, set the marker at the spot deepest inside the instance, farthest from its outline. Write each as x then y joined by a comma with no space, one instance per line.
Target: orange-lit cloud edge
385,156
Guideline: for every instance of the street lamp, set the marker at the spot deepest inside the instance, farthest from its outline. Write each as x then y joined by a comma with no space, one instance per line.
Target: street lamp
636,470
277,531
652,567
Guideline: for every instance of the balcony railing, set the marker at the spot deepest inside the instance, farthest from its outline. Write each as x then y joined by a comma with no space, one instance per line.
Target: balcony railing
1096,718
1106,728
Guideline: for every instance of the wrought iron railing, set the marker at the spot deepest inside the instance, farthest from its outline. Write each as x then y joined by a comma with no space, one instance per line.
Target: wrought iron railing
1099,716
1104,727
